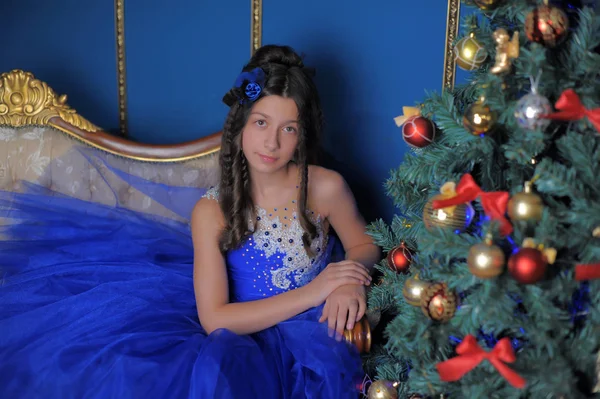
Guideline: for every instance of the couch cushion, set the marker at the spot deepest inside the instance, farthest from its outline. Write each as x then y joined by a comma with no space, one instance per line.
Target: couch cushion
63,164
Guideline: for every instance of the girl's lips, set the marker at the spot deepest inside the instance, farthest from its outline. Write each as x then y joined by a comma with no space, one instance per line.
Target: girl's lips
267,159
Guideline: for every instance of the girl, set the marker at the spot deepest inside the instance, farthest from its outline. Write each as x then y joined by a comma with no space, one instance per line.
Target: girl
277,251
101,302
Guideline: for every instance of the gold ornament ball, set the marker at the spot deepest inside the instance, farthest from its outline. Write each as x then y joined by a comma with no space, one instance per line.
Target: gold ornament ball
457,219
487,4
382,389
486,260
469,54
438,302
526,205
413,289
479,118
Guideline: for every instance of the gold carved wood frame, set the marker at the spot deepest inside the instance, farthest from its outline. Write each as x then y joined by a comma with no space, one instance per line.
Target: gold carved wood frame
25,100
452,23
121,72
255,43
255,25
448,79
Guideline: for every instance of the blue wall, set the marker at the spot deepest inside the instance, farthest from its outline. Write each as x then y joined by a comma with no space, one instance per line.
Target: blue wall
182,56
371,59
69,44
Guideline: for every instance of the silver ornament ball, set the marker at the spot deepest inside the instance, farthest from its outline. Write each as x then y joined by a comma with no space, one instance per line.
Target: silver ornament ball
529,110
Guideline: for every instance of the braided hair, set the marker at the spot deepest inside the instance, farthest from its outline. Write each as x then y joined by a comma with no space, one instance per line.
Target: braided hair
286,76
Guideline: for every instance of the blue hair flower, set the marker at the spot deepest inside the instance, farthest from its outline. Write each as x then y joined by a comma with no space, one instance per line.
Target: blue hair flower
252,83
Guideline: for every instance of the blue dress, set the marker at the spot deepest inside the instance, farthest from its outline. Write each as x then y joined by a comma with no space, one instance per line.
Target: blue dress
98,302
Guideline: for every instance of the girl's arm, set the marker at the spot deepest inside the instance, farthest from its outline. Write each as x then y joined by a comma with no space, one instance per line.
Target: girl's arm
347,304
337,201
211,285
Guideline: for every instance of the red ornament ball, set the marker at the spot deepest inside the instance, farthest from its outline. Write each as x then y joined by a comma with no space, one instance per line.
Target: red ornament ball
547,25
418,131
399,259
528,265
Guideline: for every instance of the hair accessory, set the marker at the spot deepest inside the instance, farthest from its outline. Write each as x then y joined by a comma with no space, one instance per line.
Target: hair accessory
249,85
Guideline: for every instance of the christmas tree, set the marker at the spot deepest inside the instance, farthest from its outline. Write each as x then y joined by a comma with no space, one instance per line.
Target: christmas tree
491,286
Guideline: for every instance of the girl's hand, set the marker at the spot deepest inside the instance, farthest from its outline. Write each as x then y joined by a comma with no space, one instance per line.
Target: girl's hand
343,308
336,275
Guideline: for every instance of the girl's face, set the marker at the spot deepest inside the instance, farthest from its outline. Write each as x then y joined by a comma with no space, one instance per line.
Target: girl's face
270,136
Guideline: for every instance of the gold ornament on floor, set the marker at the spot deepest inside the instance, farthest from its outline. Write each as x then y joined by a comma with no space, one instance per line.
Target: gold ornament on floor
413,289
487,4
479,118
526,205
507,49
438,302
360,336
457,217
382,389
486,260
547,25
469,53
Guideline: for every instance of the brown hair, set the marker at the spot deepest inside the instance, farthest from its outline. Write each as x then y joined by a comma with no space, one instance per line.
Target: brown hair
286,76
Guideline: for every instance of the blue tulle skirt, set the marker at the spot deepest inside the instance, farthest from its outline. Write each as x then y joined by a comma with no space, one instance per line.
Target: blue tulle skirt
98,302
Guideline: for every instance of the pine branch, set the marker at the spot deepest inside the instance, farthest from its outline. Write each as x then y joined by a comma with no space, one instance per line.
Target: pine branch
578,58
558,180
583,153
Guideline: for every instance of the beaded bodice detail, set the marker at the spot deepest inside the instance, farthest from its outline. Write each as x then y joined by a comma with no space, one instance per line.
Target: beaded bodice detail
273,259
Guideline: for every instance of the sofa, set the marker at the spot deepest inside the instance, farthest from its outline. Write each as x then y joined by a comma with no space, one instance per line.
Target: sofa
42,139
46,142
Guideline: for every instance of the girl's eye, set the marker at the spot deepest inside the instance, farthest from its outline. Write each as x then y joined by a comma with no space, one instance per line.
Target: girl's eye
290,129
260,122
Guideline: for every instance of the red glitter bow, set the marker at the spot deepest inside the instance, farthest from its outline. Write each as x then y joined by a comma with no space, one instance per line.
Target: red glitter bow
571,109
470,355
494,203
587,272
